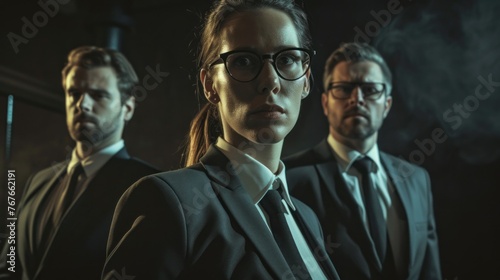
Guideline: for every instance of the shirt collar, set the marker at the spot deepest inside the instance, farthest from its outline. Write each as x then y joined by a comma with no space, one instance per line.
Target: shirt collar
94,162
346,156
256,178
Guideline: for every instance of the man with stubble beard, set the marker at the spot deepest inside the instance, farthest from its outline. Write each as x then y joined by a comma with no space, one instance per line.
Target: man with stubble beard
65,213
376,210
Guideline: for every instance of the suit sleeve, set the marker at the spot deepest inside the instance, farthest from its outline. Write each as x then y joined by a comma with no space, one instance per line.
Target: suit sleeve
431,268
148,234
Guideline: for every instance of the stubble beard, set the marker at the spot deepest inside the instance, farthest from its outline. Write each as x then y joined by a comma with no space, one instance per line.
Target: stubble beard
91,138
357,131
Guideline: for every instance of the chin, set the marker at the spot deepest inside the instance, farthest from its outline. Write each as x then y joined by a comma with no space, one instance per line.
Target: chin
361,134
272,135
89,137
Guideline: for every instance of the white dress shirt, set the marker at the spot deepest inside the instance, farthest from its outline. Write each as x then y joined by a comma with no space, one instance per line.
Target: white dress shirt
257,179
388,197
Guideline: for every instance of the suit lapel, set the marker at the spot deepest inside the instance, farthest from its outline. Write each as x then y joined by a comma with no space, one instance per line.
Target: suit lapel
40,193
319,253
57,171
402,188
331,175
241,208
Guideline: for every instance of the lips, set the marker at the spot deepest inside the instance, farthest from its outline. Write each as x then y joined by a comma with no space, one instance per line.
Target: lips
269,108
268,112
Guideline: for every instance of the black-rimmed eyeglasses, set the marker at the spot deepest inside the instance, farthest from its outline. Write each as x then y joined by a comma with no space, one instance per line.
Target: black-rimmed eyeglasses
244,66
343,90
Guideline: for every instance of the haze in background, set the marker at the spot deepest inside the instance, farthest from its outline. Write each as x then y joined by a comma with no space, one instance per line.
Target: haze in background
446,65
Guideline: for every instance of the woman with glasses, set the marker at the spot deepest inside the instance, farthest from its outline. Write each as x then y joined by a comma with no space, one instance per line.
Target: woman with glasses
228,215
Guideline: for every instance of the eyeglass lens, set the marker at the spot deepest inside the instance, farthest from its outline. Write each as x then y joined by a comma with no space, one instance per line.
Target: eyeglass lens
290,64
369,90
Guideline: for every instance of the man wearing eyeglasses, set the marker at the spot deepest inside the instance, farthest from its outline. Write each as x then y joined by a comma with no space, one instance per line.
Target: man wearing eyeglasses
378,221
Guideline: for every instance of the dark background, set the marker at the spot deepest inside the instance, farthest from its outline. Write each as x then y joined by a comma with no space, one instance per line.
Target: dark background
439,53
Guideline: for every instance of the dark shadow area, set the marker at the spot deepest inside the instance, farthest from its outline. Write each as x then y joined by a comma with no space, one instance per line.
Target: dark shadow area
445,60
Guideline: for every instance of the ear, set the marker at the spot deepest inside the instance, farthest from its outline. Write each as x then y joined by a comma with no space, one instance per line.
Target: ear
208,87
307,84
387,105
324,103
129,106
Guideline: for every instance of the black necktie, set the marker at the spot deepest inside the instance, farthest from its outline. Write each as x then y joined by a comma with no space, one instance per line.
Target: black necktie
67,194
376,221
275,210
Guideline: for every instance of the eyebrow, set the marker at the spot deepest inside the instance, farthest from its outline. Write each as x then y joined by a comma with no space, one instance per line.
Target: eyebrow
253,49
100,91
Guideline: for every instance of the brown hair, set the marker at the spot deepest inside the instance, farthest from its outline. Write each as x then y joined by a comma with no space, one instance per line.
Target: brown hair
356,52
89,57
206,126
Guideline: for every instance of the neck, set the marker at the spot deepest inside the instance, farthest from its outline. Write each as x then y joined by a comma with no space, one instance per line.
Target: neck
267,154
84,149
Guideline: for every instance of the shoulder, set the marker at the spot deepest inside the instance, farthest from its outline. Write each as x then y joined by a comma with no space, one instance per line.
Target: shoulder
317,154
39,180
303,209
49,172
140,166
45,175
123,172
402,167
187,193
186,176
181,183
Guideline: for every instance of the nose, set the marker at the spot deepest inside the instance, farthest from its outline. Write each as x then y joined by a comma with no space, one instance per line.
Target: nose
84,102
268,78
357,96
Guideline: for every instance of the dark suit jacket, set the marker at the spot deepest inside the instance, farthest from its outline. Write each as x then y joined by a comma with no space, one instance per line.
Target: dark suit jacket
78,248
200,223
314,178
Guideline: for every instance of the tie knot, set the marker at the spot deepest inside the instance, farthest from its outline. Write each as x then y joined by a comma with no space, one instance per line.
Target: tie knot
77,171
364,165
271,202
78,168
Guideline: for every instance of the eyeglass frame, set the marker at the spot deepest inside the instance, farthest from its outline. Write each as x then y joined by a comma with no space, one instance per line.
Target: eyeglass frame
358,84
223,59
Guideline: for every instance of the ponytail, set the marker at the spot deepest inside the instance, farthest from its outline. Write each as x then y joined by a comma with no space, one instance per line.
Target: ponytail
204,130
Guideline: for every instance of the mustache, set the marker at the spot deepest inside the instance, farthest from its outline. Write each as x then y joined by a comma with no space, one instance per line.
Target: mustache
356,111
83,117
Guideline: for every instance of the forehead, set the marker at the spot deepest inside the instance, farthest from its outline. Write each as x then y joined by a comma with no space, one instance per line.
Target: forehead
363,71
261,29
102,77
